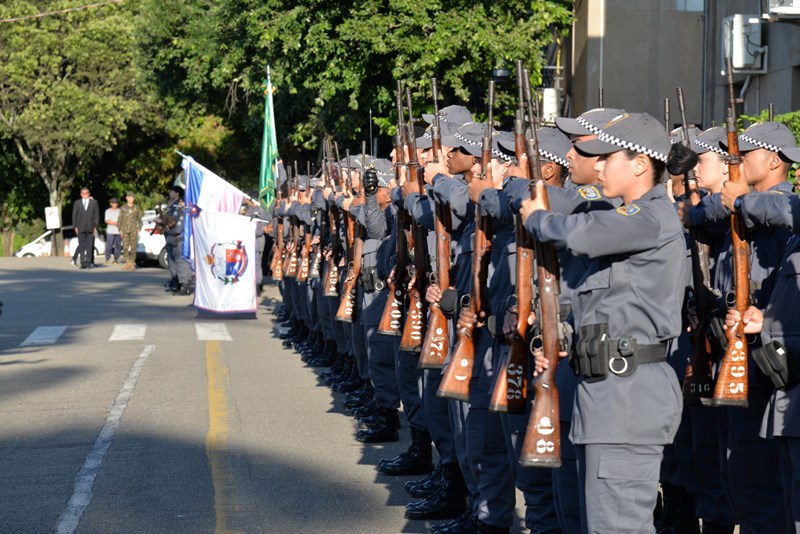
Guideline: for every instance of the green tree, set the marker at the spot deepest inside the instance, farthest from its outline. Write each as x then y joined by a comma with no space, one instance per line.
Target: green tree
68,88
333,61
20,193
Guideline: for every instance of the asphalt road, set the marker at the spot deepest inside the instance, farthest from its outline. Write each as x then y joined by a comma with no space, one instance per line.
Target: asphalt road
117,414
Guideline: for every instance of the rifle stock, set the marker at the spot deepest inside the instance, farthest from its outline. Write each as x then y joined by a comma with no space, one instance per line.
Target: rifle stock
437,336
510,388
415,325
542,445
731,386
698,380
391,322
456,380
303,268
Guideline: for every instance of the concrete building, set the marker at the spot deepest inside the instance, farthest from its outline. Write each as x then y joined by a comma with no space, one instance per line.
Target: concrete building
638,51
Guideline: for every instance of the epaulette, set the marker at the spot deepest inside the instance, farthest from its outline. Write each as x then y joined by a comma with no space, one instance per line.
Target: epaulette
627,211
589,192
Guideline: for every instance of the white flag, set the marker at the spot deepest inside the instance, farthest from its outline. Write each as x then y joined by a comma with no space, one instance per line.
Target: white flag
225,256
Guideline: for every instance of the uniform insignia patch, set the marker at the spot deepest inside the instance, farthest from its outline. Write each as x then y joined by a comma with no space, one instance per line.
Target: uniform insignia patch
589,192
627,211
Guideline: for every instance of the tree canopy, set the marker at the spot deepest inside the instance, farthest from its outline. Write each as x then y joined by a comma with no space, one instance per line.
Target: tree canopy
67,88
105,95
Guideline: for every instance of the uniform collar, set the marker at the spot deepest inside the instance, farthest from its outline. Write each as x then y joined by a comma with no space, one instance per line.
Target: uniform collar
783,187
659,190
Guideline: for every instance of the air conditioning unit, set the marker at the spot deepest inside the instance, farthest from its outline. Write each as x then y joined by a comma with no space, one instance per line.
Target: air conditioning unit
782,9
741,41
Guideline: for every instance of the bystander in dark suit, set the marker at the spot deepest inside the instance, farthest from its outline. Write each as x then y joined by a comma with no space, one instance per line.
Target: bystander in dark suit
85,218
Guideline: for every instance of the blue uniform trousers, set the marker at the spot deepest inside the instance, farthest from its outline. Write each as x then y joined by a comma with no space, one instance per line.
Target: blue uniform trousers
436,416
324,317
711,501
751,467
535,484
407,378
459,412
380,357
790,469
488,459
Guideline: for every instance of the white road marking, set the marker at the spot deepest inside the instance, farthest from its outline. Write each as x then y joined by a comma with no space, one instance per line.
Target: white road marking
44,335
212,332
84,480
128,332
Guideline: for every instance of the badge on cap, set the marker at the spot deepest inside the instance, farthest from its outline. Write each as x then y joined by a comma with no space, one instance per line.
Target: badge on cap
589,192
627,211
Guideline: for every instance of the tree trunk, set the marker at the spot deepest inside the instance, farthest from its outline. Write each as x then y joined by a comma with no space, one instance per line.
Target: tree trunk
8,242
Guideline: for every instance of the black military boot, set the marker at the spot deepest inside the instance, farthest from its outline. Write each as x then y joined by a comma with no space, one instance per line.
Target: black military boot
384,431
359,397
417,460
716,528
449,501
369,409
352,383
183,289
463,524
291,332
328,356
344,370
425,487
172,284
483,528
677,514
334,369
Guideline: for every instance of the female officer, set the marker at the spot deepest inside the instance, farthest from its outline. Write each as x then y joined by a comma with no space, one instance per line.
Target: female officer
626,309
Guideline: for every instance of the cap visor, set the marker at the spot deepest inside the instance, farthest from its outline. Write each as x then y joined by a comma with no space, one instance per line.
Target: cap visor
792,153
427,118
451,141
424,143
508,146
595,147
571,126
744,146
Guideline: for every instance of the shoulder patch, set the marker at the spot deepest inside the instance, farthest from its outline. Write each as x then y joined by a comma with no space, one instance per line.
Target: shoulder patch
627,211
589,192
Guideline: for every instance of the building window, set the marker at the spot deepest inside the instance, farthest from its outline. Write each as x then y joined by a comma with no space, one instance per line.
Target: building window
689,5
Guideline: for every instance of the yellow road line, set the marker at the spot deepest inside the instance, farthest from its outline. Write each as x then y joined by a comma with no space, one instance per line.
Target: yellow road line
217,442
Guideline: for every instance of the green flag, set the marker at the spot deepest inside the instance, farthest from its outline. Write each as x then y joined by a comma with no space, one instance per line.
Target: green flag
269,149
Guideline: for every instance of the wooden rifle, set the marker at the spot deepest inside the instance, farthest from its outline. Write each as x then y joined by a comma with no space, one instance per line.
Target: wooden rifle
414,328
698,380
277,247
291,265
510,394
542,445
330,286
391,323
305,254
348,308
437,335
456,380
731,386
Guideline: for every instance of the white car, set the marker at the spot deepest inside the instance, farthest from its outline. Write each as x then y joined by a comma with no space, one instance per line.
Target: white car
41,246
151,245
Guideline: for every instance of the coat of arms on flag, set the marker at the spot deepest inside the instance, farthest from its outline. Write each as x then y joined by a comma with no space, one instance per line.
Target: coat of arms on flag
228,261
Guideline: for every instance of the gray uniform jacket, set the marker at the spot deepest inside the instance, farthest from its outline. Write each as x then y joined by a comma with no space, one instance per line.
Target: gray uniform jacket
635,285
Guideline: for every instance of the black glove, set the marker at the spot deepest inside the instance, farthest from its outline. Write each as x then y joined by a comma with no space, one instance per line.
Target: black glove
370,182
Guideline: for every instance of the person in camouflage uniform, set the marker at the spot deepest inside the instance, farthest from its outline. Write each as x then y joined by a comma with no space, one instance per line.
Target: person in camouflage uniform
130,222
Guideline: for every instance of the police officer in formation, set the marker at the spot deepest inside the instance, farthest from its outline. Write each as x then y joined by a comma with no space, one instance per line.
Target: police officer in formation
634,457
